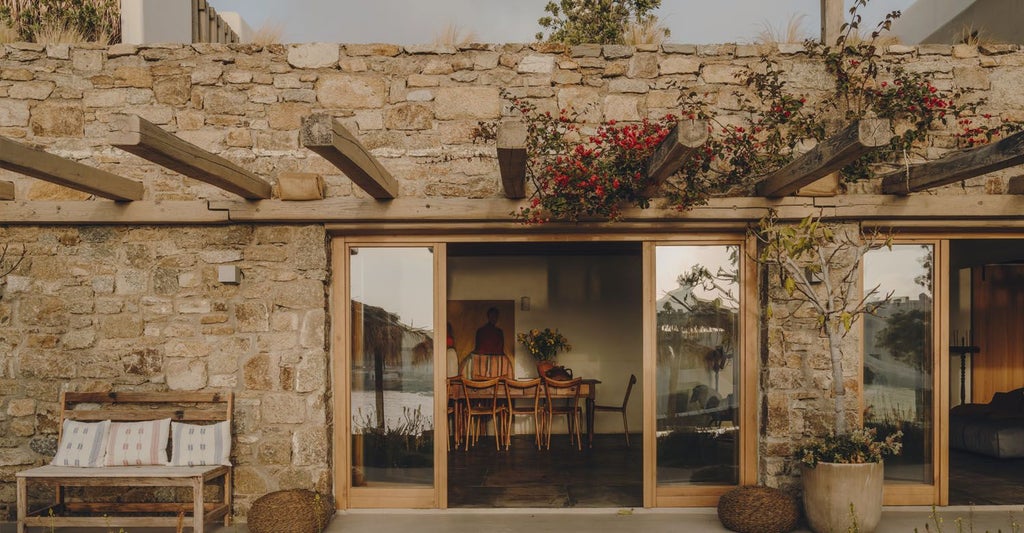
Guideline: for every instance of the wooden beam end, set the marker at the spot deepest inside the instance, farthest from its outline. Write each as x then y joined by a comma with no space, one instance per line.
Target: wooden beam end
874,132
317,130
6,190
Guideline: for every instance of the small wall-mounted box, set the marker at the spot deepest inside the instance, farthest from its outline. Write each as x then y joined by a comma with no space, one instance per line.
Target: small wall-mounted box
229,274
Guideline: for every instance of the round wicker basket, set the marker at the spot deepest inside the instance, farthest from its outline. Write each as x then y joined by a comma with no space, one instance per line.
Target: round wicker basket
758,510
291,511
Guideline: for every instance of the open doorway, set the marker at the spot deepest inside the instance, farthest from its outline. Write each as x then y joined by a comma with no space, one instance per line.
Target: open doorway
592,294
986,419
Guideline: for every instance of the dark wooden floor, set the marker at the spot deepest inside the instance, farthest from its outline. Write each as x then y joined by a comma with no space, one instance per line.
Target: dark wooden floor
607,475
976,479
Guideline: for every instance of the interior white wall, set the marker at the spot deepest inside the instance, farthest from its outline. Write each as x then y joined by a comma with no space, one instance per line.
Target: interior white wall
594,300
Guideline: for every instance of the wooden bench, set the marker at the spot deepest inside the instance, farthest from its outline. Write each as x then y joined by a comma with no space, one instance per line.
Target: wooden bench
194,407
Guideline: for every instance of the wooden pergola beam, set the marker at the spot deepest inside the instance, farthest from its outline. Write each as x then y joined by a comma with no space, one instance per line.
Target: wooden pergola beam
828,156
671,153
6,190
152,143
957,166
326,136
512,157
34,162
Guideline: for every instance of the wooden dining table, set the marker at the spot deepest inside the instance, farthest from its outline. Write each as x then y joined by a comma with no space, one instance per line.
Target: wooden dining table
588,392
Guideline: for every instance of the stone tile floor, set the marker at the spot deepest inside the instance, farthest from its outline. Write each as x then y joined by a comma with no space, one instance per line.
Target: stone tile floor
894,520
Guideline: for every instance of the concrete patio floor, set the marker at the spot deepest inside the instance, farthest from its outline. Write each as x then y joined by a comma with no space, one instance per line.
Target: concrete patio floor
894,519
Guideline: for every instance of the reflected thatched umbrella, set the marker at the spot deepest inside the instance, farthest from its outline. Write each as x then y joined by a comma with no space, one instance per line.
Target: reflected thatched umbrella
382,338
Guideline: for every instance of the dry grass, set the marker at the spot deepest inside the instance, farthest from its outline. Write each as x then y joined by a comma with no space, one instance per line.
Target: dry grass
7,35
975,36
792,33
268,33
58,34
452,35
59,11
650,31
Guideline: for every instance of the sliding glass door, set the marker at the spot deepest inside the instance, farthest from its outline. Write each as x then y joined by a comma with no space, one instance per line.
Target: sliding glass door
698,319
391,376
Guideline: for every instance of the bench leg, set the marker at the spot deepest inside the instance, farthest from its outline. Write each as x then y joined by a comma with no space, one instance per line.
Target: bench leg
22,504
198,509
227,497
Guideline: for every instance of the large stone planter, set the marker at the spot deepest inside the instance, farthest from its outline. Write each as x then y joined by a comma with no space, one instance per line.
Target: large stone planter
837,494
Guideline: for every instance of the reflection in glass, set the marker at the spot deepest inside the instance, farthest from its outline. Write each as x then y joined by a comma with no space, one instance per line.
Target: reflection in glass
697,371
898,357
392,366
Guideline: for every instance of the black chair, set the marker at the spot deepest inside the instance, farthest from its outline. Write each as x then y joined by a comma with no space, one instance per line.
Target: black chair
620,408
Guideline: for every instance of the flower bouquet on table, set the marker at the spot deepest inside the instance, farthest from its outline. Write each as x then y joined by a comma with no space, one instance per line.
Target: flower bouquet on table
543,345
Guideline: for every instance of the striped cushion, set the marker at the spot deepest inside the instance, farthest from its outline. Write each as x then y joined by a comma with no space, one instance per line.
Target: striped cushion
137,443
491,366
194,445
81,444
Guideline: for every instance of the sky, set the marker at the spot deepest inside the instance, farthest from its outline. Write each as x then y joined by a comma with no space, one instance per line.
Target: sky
515,21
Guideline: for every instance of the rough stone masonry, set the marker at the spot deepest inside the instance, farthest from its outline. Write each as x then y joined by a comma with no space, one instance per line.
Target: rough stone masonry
118,307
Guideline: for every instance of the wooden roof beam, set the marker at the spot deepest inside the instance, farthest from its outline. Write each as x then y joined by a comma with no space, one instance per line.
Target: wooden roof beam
512,157
150,142
326,136
957,166
828,156
671,153
34,162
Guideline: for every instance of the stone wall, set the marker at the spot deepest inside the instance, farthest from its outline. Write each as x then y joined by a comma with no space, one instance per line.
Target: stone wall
97,308
415,107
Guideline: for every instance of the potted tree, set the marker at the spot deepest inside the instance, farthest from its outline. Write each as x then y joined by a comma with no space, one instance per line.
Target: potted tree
818,270
543,345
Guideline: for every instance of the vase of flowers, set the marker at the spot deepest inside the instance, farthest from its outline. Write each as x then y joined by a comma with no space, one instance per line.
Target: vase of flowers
543,345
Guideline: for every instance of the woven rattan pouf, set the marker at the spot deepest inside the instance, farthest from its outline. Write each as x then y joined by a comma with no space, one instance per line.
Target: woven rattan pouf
758,510
291,511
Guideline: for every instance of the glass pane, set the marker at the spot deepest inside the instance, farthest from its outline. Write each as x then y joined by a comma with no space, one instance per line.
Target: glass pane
697,371
898,356
392,366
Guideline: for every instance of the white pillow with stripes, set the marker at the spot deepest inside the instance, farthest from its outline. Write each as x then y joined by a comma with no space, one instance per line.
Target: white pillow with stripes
137,443
82,444
200,445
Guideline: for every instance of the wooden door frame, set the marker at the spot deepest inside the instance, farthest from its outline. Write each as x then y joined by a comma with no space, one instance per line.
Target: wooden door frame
937,492
436,497
747,359
394,496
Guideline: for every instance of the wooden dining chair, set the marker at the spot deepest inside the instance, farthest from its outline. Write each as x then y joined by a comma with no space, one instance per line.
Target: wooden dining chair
525,402
563,398
620,408
481,403
456,410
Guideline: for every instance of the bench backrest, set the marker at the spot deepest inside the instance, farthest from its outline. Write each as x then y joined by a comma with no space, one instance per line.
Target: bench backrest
192,407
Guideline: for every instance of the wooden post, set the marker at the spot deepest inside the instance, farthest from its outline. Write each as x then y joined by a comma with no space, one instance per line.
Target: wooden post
195,21
150,142
512,157
326,136
832,19
204,22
